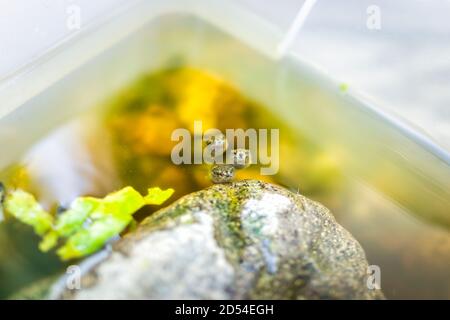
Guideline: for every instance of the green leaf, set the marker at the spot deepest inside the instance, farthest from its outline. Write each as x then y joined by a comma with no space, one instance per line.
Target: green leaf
88,223
24,207
158,196
123,202
49,241
109,217
93,238
73,219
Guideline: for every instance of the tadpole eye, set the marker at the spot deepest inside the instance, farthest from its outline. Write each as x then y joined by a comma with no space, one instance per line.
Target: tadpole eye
241,158
218,143
222,173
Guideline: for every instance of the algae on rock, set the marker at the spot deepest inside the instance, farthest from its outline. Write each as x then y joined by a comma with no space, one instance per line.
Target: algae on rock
243,240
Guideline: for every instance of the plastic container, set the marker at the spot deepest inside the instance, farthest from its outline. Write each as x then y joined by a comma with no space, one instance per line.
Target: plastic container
237,43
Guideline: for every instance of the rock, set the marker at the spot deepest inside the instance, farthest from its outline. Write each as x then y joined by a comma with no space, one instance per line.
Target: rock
242,240
37,290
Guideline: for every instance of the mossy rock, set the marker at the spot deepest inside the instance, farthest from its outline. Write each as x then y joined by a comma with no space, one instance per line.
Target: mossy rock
242,240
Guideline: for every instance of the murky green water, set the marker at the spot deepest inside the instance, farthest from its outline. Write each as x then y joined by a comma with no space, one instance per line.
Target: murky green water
126,141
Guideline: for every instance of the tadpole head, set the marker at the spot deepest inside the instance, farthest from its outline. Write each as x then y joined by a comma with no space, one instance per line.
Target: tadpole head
222,173
241,158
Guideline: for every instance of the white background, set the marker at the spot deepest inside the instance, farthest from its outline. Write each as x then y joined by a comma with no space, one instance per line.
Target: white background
405,65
